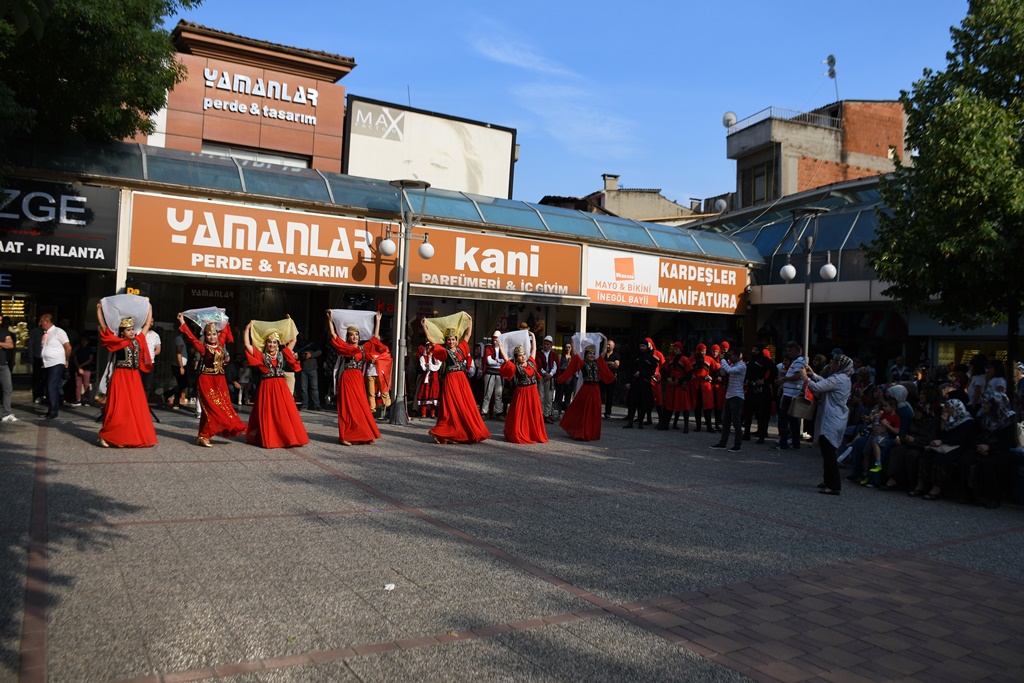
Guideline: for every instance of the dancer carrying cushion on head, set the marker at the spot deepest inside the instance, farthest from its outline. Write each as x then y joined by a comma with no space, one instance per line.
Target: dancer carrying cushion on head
582,419
355,421
524,419
274,421
218,414
126,419
458,419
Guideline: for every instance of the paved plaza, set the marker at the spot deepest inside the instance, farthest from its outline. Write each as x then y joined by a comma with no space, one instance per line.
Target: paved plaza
645,556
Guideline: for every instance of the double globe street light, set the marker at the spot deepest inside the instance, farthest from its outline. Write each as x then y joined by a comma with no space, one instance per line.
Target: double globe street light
388,247
788,271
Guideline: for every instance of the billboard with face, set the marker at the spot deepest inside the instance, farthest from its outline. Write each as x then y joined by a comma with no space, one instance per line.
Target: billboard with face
388,141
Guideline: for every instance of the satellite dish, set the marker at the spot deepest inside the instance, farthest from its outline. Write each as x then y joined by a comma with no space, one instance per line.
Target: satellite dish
721,205
728,119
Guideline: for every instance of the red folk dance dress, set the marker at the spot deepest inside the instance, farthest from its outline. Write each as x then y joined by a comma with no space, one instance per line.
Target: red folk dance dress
582,419
458,418
430,385
702,392
126,419
355,421
218,416
675,390
524,420
274,421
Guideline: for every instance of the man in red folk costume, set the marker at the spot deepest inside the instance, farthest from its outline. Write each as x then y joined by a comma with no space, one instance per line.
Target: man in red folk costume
718,352
676,372
704,369
218,414
126,419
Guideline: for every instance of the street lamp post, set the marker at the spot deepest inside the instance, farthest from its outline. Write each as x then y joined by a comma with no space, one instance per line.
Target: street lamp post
788,271
400,409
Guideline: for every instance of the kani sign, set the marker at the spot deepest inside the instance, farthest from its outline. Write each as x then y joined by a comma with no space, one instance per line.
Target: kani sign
493,262
185,235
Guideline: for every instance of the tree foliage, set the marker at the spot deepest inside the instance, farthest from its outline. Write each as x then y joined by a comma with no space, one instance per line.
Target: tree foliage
950,242
85,69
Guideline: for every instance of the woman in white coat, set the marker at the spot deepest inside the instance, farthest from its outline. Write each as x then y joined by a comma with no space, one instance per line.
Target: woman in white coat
832,393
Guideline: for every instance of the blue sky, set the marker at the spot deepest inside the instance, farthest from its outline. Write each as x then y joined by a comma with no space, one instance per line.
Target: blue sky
634,89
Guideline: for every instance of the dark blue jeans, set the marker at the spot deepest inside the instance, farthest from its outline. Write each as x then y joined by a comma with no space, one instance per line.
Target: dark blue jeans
54,387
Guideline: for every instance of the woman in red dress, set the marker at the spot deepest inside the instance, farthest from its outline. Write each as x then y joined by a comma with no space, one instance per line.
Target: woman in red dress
426,395
582,419
458,418
274,421
676,371
355,421
524,420
218,415
126,419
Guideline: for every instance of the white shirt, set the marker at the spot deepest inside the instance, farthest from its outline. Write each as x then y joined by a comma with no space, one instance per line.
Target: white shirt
54,340
152,341
736,374
794,388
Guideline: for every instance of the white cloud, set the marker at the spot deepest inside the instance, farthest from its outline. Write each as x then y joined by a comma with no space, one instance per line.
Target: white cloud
577,119
519,54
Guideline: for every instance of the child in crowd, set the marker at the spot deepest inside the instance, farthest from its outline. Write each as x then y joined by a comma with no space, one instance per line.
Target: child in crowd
886,425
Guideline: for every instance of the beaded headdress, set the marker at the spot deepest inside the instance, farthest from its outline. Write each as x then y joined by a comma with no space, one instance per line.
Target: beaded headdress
127,322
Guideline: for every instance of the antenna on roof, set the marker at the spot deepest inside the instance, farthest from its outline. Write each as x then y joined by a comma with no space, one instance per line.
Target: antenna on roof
408,92
728,119
831,73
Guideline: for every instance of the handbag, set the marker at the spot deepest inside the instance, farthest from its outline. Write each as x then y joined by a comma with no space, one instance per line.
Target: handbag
802,409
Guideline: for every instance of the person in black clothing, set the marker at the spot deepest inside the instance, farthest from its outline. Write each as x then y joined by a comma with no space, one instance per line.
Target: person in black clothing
761,374
639,398
611,359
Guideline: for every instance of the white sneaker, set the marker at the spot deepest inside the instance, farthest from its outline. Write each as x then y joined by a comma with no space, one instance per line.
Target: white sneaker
9,418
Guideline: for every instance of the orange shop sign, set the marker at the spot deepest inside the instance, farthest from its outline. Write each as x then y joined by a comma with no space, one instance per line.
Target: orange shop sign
647,281
472,260
175,234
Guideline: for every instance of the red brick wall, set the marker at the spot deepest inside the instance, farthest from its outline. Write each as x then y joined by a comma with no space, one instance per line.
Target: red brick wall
813,173
872,127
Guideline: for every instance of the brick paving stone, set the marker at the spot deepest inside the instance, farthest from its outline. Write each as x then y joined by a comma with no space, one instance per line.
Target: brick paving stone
720,644
785,672
826,637
901,664
777,649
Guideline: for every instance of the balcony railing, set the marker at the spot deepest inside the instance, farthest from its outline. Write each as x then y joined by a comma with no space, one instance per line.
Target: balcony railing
812,119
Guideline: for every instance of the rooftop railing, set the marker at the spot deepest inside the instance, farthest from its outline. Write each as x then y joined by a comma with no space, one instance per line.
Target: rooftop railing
810,118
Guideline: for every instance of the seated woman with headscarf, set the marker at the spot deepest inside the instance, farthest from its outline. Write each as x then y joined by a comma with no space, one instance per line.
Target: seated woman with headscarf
524,420
274,421
942,455
983,468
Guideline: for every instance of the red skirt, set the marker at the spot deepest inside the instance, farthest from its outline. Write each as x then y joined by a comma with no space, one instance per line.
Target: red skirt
582,419
429,390
126,419
355,421
524,421
274,421
459,417
219,416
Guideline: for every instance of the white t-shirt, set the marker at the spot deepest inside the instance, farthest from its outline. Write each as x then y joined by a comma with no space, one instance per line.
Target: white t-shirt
152,341
54,340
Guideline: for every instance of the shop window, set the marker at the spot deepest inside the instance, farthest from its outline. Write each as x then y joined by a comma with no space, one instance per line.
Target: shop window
255,155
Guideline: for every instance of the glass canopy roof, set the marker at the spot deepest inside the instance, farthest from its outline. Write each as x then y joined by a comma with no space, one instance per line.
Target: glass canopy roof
128,161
